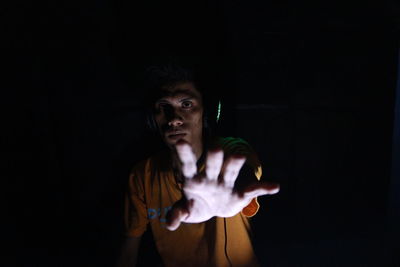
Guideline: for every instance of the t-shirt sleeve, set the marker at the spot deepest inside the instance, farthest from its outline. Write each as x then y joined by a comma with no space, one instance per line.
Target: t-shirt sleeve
239,146
135,206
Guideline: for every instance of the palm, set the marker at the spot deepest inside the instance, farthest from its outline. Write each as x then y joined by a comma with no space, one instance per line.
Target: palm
212,193
211,198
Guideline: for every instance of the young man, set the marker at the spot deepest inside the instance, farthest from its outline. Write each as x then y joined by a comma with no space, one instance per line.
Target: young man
191,197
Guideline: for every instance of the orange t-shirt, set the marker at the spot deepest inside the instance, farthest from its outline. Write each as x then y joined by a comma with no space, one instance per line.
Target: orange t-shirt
152,192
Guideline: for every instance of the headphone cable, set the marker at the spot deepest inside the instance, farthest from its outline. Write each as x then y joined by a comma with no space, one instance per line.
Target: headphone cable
226,244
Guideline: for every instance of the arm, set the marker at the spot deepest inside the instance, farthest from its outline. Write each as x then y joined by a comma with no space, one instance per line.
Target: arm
129,252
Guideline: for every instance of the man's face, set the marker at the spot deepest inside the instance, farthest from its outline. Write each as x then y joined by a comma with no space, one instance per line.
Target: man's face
179,115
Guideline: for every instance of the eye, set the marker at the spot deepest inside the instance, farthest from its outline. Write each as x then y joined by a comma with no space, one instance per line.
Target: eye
187,104
160,106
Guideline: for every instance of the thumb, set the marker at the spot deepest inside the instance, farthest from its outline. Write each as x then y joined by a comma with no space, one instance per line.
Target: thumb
177,214
261,188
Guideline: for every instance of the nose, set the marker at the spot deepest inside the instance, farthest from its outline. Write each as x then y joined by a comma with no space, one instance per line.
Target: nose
175,122
174,119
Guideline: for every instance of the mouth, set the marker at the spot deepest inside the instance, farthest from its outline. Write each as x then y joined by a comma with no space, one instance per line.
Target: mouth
176,135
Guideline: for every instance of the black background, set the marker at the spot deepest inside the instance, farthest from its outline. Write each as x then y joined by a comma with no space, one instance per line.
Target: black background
310,86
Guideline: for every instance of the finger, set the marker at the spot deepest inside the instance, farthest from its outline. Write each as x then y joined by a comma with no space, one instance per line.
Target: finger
176,215
232,169
261,188
188,159
214,163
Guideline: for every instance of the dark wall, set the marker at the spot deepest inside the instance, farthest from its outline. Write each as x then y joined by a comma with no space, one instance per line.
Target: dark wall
311,87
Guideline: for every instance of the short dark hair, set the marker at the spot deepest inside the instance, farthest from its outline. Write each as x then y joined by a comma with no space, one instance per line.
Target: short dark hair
160,76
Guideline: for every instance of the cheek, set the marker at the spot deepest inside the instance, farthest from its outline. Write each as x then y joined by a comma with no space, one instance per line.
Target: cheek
197,116
198,119
158,118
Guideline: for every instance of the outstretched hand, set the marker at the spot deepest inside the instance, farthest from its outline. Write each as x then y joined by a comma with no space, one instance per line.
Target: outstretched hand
212,193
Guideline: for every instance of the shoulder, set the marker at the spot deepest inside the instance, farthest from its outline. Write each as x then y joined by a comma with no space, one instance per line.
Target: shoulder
144,171
238,146
158,160
234,145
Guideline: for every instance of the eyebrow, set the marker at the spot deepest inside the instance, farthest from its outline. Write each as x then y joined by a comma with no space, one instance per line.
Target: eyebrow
180,100
180,93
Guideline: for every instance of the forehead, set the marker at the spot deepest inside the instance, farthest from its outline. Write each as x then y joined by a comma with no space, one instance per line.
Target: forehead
179,90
